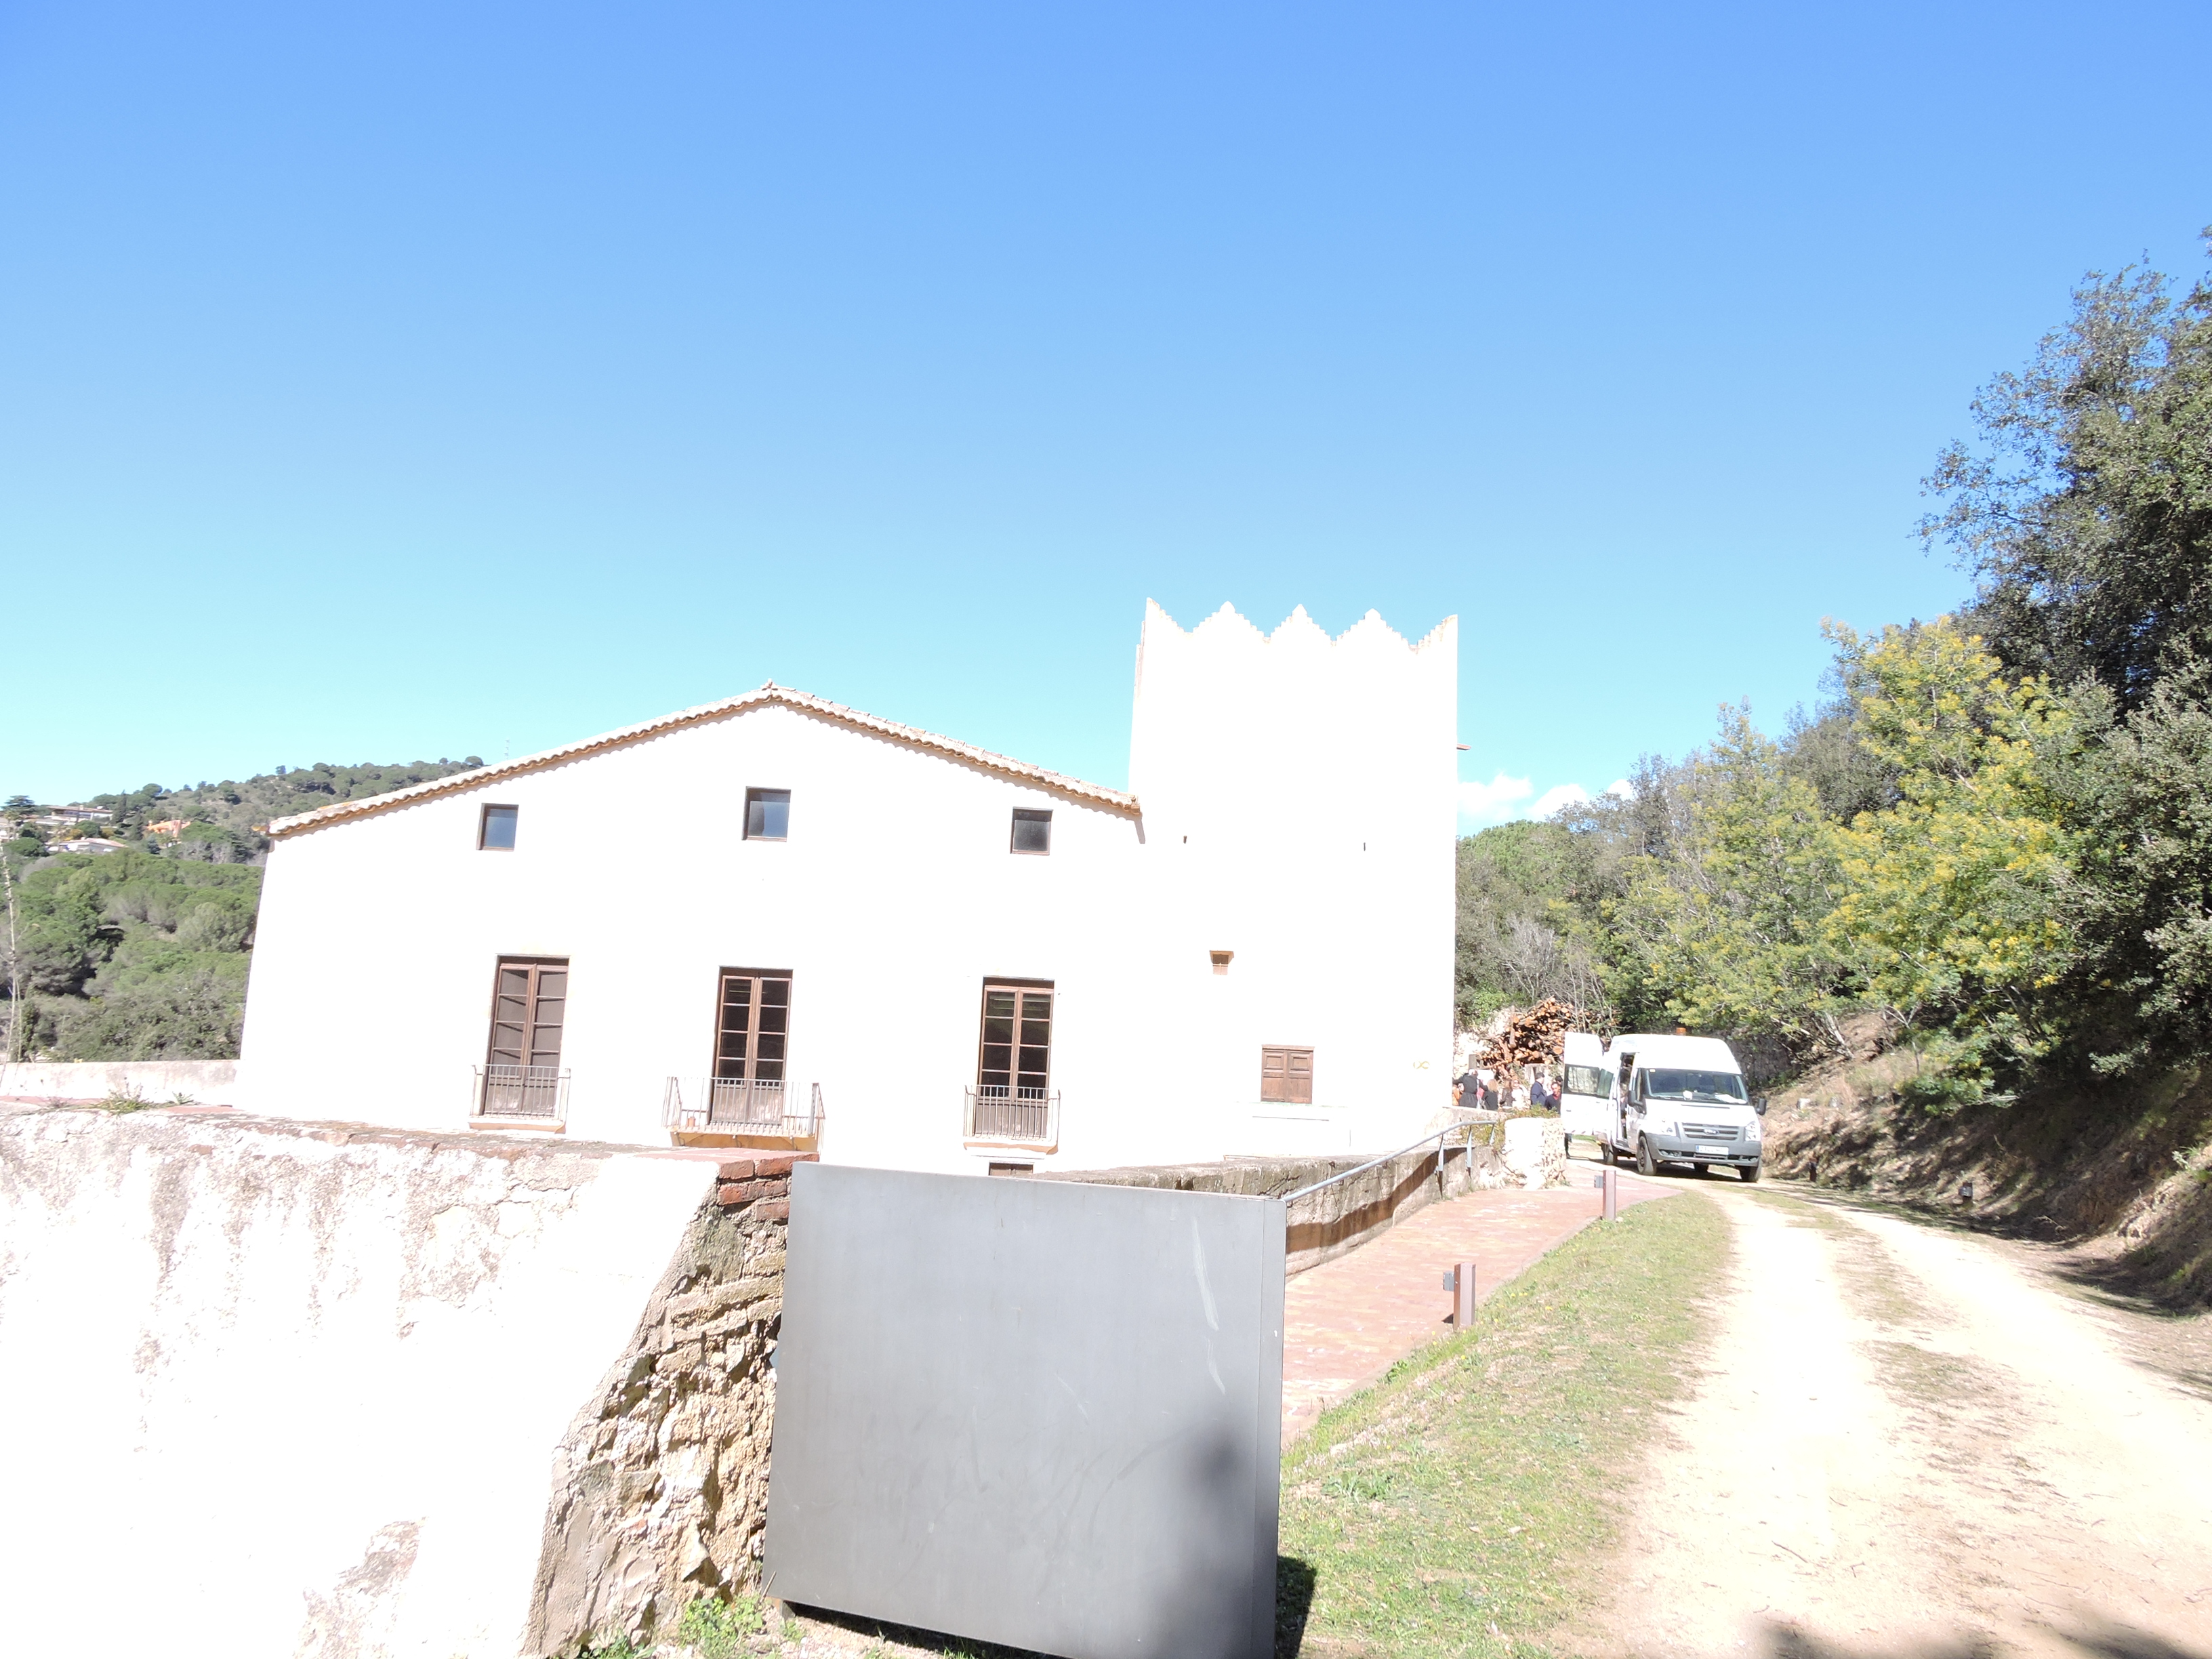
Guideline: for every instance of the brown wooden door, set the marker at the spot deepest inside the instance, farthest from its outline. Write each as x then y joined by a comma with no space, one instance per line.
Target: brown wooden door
752,1034
1015,1055
529,1004
1286,1075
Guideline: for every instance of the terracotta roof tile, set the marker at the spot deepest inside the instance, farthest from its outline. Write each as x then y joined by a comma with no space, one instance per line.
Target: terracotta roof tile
770,694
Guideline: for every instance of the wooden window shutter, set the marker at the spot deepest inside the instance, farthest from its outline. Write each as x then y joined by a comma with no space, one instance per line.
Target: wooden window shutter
529,1009
1286,1076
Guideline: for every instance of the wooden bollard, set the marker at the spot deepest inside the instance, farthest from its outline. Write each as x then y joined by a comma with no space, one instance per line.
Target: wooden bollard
1460,1281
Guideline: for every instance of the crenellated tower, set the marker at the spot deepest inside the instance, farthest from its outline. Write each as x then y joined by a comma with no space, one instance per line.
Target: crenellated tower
1299,807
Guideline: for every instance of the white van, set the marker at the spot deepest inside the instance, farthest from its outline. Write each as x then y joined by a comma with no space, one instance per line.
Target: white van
1678,1100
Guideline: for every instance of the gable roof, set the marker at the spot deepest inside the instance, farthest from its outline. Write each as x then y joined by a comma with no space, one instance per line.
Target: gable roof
769,695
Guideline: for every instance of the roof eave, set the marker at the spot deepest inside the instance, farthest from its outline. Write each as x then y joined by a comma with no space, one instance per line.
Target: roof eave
770,694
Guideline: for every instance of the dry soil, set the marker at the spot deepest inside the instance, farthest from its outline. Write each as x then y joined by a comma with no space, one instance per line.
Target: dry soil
1910,1440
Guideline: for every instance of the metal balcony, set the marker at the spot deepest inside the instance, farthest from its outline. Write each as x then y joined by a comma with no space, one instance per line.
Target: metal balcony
748,1108
1000,1114
535,1095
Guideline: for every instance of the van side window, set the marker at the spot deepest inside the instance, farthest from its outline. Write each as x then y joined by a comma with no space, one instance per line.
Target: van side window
1589,1080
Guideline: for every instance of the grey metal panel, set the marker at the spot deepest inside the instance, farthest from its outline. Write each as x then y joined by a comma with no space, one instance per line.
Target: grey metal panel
1033,1413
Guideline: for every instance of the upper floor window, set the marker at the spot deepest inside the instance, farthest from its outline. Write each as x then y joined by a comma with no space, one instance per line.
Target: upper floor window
1032,831
768,814
753,1026
1016,1051
522,1075
1286,1075
496,830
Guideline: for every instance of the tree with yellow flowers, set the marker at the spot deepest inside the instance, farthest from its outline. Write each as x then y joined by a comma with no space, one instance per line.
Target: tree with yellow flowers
1951,906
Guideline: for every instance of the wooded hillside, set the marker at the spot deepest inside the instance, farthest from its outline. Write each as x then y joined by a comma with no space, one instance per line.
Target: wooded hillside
1992,831
142,954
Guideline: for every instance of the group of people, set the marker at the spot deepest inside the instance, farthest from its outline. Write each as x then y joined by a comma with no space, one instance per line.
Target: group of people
1495,1095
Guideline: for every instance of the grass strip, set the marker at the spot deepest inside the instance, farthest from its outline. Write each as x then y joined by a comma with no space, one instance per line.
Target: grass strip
1455,1507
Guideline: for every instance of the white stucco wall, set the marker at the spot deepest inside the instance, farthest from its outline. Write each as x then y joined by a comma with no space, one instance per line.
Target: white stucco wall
270,1394
1299,800
1313,779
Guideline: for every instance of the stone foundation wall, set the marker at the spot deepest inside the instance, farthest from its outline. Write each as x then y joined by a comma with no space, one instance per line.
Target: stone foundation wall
661,1488
334,1392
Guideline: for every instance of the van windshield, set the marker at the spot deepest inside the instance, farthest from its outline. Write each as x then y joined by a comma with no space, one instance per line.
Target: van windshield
1661,1083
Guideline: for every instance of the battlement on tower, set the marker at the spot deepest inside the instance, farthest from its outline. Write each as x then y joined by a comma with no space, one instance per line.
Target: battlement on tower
1231,724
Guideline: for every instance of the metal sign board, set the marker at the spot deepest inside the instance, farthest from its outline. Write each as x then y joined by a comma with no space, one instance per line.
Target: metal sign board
1033,1413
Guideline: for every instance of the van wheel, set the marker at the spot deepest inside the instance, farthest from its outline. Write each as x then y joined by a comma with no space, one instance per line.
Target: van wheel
1750,1171
1645,1164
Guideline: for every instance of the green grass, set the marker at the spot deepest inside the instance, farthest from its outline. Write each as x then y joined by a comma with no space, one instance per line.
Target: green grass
717,1630
1457,1506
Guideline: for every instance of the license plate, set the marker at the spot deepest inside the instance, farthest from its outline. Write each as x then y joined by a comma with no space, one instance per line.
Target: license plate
1712,1152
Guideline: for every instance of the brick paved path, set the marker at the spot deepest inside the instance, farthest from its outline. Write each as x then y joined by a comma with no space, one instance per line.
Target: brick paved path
1348,1321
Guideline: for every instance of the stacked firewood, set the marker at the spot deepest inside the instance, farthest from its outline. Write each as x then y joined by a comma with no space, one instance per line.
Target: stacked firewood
1535,1036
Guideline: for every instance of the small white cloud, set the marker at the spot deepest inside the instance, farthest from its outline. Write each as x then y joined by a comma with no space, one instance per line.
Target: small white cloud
1486,804
1558,795
1504,799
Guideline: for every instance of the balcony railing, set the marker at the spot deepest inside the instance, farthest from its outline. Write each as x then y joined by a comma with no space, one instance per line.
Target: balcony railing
1012,1115
531,1094
742,1106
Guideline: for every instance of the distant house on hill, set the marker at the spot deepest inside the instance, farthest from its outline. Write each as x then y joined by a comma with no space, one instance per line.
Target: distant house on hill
910,951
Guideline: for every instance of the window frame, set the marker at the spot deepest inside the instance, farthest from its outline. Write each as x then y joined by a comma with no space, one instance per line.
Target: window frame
484,843
1594,1074
1289,1076
1020,988
722,978
764,798
532,999
1030,815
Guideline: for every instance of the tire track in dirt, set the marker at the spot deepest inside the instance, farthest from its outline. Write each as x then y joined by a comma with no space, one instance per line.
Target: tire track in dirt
1904,1443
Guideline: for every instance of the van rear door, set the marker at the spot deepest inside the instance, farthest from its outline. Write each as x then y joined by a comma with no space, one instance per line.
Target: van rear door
1584,1102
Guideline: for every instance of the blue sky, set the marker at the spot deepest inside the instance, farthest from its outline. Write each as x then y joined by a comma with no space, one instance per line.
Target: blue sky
391,382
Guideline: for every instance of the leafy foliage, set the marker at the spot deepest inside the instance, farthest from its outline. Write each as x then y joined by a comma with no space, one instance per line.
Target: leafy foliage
223,821
1956,896
1516,881
1720,926
142,954
717,1630
133,956
2088,513
1997,828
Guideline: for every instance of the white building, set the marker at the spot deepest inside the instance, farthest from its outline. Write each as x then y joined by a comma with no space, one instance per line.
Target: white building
955,958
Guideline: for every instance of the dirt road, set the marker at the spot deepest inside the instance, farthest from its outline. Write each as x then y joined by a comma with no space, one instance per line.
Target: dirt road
1910,1441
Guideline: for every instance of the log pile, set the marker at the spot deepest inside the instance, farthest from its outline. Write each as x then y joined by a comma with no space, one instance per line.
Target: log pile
1535,1036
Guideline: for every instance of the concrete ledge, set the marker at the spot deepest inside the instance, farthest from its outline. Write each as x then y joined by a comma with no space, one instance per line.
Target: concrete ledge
203,1082
341,1391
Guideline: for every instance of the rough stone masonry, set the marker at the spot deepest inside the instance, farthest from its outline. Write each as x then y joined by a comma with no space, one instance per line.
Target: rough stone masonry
329,1391
660,1489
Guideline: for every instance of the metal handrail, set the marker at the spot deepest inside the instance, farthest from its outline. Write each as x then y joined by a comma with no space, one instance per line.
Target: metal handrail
1377,1163
529,1093
1011,1114
743,1105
